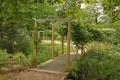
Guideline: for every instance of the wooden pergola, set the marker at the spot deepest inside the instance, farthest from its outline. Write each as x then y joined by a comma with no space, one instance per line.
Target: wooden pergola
36,38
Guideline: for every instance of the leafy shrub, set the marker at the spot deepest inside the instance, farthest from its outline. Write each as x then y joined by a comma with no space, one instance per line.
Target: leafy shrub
108,35
99,63
24,43
15,39
116,38
45,51
20,58
96,35
3,56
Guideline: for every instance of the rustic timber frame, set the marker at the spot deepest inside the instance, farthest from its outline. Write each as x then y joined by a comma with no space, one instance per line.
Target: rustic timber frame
36,38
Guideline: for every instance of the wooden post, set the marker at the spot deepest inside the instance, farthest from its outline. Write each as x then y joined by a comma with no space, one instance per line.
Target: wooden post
52,41
62,44
68,46
35,43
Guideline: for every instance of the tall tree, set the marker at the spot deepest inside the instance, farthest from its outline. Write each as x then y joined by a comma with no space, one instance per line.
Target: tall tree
16,20
112,9
80,34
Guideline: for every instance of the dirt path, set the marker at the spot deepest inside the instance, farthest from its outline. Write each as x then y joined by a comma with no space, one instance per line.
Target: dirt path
50,70
38,75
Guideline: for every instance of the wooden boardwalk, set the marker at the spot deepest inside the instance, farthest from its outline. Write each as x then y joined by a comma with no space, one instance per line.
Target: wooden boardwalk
50,70
58,64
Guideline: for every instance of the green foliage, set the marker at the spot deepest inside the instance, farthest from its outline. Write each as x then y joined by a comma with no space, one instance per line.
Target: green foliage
3,56
62,30
116,38
70,9
15,39
25,44
16,22
45,51
80,33
21,59
100,62
108,36
7,38
48,34
112,8
96,35
14,62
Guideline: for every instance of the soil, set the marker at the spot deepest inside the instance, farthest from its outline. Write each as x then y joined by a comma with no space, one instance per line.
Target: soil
50,70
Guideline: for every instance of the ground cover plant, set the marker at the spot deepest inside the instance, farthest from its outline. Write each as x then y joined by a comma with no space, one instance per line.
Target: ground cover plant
100,62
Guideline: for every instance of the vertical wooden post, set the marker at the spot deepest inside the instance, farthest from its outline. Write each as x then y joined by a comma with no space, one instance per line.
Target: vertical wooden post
35,43
52,41
68,46
62,44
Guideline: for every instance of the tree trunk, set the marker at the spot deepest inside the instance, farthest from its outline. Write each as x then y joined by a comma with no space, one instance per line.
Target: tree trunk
10,47
82,49
77,51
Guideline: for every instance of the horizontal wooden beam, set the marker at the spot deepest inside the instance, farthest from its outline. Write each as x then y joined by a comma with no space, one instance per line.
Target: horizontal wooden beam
44,20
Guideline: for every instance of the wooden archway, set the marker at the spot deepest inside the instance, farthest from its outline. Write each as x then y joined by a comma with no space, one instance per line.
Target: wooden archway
36,38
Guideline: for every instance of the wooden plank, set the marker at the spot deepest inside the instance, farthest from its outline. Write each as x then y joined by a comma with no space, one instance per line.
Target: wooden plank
51,20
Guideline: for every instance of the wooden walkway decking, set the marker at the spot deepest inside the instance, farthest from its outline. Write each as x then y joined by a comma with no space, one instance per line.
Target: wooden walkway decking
50,70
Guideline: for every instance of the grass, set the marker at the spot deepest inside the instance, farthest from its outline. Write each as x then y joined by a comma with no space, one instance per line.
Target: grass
45,51
44,54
